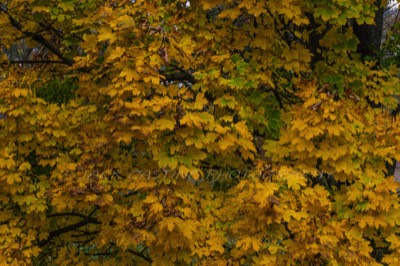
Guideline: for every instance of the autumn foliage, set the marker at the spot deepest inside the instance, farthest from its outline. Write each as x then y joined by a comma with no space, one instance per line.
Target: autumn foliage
208,132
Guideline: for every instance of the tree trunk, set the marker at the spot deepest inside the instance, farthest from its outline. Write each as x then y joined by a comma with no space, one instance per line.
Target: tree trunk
370,36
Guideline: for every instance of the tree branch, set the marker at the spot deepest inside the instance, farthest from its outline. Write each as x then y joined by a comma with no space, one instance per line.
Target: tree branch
36,62
58,232
36,36
86,233
182,75
69,214
140,255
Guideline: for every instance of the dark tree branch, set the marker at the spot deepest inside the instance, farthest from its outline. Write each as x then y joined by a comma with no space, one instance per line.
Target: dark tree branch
36,36
140,255
179,77
182,75
36,62
69,214
370,36
86,220
100,254
66,229
86,233
50,27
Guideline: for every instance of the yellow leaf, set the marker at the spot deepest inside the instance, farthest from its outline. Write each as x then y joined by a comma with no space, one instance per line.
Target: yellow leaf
226,141
129,75
248,243
106,34
312,132
24,166
163,124
13,178
150,199
231,13
156,207
151,79
116,53
394,241
67,6
299,124
91,198
20,92
334,130
216,242
200,101
243,130
59,133
246,144
294,178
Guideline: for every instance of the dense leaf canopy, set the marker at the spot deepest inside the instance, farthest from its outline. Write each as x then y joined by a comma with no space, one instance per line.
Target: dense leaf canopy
208,132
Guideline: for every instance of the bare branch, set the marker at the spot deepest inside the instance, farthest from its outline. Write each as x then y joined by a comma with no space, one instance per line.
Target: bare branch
86,220
140,255
182,75
69,214
35,62
36,36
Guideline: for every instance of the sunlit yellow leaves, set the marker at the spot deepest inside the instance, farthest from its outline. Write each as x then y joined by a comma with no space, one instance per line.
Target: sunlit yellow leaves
33,252
210,3
166,161
151,79
328,241
310,133
197,119
106,34
91,198
12,178
216,242
327,13
227,101
287,216
200,101
258,193
260,41
24,166
299,124
116,54
163,124
198,132
354,194
174,223
230,13
395,242
226,141
40,9
59,133
156,207
249,244
17,112
243,130
20,92
67,166
129,75
7,163
302,145
247,145
334,130
89,43
367,221
267,259
295,179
